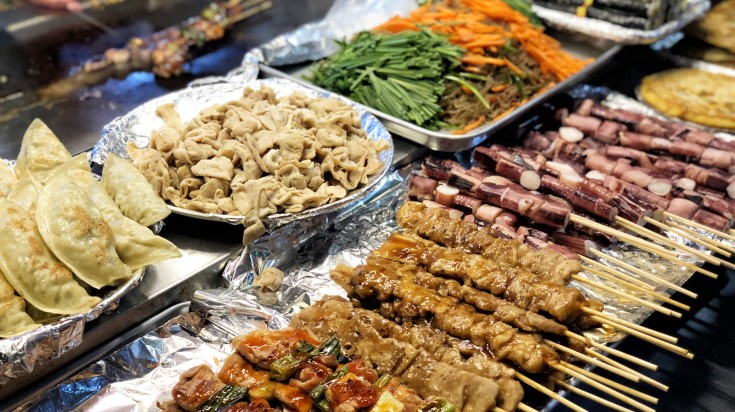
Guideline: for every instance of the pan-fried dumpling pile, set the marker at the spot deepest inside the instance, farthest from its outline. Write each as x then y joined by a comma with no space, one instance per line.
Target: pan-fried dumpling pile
131,192
8,180
13,318
74,229
60,230
33,270
136,245
40,152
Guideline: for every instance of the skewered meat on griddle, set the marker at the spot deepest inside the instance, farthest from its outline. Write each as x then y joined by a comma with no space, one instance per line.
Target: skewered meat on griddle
411,301
501,309
435,225
513,284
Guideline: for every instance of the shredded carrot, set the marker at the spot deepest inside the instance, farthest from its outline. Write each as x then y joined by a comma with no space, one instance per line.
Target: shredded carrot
486,29
477,123
505,113
466,90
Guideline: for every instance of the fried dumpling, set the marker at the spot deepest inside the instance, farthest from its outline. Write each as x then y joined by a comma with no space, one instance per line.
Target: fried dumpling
25,193
33,271
74,229
136,245
8,180
40,152
132,193
13,318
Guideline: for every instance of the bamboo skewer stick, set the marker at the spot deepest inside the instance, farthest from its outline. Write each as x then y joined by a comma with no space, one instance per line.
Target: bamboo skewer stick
643,244
498,409
636,288
689,235
525,408
617,273
612,351
654,306
640,272
643,329
666,241
601,379
548,392
699,237
593,361
602,388
731,231
592,397
699,226
642,377
648,338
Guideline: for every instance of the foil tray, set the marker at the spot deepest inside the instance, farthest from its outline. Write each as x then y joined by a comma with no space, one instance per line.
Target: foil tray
599,29
136,127
20,354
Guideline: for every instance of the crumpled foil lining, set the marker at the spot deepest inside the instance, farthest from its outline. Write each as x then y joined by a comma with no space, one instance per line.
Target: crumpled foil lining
144,371
136,126
600,29
20,354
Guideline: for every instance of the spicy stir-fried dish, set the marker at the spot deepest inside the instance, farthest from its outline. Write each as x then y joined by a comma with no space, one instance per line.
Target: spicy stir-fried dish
291,370
455,64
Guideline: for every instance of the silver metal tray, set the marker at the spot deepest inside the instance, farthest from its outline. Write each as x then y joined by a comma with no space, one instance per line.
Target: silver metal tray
600,29
447,142
136,127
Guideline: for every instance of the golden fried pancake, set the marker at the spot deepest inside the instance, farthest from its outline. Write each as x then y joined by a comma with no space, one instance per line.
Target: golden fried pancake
693,95
718,26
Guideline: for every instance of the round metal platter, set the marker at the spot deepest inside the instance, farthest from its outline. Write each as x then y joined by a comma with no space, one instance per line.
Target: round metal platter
136,126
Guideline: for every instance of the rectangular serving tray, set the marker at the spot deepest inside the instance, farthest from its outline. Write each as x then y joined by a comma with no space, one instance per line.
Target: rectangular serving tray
447,142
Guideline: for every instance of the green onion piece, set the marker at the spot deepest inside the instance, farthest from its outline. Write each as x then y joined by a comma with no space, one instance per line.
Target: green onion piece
330,346
318,392
473,76
519,85
472,89
383,380
507,48
266,391
438,405
225,397
323,405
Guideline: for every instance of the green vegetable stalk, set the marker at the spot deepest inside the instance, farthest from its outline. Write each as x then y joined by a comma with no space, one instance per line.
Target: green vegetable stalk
225,397
399,74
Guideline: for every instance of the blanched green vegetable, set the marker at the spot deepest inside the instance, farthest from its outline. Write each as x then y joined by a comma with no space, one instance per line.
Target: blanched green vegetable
399,74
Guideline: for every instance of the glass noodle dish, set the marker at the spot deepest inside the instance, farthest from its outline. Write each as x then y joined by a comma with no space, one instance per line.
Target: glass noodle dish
454,65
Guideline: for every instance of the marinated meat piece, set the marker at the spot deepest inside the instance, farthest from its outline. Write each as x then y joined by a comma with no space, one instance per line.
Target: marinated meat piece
310,374
263,347
362,369
258,405
195,387
351,393
467,391
239,372
292,398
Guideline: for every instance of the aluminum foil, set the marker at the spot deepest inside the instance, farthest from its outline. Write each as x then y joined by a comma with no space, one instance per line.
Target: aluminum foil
144,372
136,126
600,29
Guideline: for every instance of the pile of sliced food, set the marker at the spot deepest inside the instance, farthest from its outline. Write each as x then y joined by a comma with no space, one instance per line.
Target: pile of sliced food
454,64
67,238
